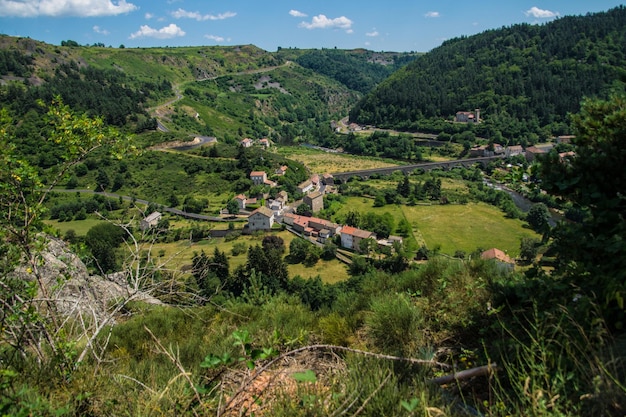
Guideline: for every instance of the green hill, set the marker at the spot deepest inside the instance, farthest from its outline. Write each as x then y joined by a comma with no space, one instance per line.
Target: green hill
229,92
525,78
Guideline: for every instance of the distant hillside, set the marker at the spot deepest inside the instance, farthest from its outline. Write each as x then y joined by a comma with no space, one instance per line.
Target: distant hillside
358,69
229,92
524,78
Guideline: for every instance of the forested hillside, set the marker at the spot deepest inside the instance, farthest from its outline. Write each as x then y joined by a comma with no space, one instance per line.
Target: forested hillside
359,69
525,78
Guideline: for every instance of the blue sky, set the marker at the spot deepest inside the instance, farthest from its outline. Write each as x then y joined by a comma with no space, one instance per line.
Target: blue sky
406,25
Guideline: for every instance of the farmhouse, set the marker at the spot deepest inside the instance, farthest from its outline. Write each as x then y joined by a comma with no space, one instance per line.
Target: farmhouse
324,229
389,242
305,187
532,152
243,201
467,116
514,150
351,237
281,171
246,143
502,259
258,177
264,142
261,219
150,221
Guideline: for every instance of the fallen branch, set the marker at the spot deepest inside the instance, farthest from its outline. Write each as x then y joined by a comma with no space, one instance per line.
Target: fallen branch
468,373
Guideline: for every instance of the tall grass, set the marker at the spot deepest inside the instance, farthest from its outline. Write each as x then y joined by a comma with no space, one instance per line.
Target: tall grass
554,365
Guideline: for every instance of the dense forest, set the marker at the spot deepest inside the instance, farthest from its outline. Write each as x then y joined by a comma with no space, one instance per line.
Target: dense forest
349,67
525,79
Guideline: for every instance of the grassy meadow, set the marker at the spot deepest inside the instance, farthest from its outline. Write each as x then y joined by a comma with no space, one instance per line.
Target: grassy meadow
466,227
453,227
322,162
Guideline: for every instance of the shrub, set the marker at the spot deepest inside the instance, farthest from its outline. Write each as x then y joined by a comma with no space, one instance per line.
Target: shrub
393,325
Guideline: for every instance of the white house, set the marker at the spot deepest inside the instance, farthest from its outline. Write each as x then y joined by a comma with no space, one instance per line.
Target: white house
351,237
305,187
150,221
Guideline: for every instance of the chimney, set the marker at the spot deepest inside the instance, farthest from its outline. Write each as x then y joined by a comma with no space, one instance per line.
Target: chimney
477,118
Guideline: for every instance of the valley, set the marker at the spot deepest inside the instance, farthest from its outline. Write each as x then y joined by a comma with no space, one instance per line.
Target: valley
225,231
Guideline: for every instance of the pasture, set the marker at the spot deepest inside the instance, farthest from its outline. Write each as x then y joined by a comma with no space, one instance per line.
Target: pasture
323,162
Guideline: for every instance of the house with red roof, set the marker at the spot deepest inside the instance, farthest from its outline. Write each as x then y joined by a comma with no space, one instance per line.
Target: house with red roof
502,259
351,237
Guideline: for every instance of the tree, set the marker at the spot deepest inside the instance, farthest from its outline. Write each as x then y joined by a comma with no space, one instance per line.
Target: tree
529,249
353,218
233,207
538,218
298,249
379,201
103,240
273,242
404,187
592,254
367,245
102,180
404,227
173,200
303,210
359,266
312,256
329,251
32,325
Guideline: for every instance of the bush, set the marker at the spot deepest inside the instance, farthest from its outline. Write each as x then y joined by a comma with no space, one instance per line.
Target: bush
393,325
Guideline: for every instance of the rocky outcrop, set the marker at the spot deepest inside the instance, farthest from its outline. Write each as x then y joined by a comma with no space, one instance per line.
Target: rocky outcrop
73,290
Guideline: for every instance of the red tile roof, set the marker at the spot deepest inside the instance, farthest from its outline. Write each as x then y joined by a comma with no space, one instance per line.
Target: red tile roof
496,254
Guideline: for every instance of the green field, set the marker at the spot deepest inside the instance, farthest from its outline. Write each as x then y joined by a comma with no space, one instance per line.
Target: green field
81,227
453,227
179,255
448,227
467,227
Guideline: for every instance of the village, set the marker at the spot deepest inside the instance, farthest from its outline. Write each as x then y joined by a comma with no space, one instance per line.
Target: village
263,213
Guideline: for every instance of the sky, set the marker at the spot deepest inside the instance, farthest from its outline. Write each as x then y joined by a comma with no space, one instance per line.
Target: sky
392,25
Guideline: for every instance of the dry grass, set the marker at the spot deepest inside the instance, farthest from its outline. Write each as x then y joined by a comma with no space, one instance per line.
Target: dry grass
322,162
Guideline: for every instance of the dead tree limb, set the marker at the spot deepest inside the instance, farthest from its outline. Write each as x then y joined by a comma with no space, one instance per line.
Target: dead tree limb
468,373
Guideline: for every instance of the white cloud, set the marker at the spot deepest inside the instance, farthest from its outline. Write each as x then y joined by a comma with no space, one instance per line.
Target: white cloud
373,33
167,32
184,14
540,13
81,8
432,14
323,22
215,38
101,31
296,13
148,16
